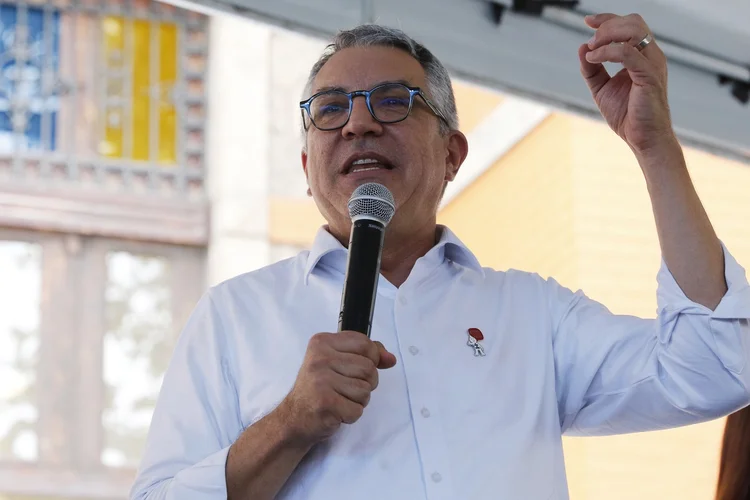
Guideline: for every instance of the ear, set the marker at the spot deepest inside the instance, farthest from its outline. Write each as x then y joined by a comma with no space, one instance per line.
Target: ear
303,157
455,153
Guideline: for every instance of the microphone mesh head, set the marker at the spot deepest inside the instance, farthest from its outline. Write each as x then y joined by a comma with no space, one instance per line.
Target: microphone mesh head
372,201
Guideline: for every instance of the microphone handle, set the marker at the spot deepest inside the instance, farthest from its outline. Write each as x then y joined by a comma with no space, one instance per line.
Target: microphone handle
362,272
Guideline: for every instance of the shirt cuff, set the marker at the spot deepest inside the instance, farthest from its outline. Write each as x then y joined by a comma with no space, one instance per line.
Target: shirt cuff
205,480
734,305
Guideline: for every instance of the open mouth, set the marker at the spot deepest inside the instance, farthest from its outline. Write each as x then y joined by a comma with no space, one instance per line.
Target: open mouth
367,165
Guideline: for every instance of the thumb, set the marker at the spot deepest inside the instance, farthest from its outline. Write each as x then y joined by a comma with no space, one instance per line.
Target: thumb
387,359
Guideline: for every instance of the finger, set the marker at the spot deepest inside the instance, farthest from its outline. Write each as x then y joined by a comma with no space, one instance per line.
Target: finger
349,411
387,359
355,343
596,20
639,67
353,389
356,366
619,30
595,74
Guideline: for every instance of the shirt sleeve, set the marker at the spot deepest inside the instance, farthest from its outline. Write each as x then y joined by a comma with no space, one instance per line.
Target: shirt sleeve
617,374
196,418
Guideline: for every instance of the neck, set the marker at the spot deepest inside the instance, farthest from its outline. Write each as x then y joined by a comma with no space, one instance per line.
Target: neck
402,247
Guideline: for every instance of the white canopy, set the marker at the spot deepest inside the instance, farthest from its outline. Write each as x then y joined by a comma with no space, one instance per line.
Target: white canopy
512,46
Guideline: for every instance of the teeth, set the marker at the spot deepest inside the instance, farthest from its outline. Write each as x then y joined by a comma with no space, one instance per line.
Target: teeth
364,161
365,169
365,164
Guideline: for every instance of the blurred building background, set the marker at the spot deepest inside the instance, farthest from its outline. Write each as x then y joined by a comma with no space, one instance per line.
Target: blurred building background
148,152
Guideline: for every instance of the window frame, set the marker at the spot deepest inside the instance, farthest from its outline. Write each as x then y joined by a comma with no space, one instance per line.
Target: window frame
70,367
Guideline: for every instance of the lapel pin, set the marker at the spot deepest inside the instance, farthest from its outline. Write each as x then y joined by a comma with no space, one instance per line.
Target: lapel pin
475,335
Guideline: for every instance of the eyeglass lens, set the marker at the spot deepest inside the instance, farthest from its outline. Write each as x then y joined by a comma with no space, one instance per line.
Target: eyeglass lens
389,103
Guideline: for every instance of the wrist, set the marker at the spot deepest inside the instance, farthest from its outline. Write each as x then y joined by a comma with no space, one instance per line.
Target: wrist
662,161
658,151
291,433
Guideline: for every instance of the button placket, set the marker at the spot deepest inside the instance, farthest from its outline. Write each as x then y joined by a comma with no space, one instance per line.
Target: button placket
428,429
422,400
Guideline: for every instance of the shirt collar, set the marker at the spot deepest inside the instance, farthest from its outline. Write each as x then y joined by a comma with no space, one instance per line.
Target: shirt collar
448,247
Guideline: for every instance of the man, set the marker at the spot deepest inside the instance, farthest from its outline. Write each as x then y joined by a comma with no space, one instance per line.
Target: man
263,401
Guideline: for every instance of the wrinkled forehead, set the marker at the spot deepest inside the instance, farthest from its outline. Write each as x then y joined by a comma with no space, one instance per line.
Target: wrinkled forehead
361,68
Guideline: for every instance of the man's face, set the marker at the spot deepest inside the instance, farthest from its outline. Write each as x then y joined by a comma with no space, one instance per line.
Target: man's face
415,159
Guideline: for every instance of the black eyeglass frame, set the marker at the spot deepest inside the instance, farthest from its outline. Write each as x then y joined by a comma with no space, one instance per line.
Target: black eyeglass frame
413,91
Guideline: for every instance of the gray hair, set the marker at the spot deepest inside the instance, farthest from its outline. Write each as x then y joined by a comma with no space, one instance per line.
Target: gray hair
439,89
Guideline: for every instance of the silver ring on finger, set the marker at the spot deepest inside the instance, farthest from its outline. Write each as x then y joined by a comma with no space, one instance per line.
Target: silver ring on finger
645,41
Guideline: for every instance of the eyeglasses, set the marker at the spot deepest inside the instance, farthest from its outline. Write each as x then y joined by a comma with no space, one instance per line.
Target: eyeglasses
387,103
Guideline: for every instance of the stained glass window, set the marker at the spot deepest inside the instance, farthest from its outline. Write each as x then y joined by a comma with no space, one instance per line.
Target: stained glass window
29,57
152,72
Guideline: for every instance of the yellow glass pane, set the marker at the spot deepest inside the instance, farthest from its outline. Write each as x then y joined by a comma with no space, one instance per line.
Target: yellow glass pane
113,29
167,78
141,89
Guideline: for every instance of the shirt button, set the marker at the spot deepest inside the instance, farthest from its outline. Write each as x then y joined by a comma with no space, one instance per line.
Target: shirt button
436,477
413,350
403,301
425,413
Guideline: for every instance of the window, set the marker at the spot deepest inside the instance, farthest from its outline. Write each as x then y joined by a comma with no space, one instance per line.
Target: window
113,92
81,370
20,268
138,340
148,102
29,53
103,232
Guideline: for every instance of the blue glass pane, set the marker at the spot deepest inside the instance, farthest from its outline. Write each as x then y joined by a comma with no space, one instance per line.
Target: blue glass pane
21,80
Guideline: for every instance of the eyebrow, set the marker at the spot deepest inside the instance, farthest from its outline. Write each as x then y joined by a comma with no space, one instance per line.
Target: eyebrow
342,89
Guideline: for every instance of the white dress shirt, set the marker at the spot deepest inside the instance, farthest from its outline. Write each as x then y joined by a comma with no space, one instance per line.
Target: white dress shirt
443,424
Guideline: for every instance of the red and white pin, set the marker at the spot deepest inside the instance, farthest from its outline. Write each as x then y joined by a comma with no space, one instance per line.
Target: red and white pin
475,335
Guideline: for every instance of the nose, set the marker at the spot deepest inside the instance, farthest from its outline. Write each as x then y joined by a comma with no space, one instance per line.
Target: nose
361,123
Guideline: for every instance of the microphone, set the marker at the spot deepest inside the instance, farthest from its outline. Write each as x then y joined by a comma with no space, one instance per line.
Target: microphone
371,208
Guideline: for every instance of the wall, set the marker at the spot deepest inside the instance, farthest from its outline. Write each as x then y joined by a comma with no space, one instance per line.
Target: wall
570,202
